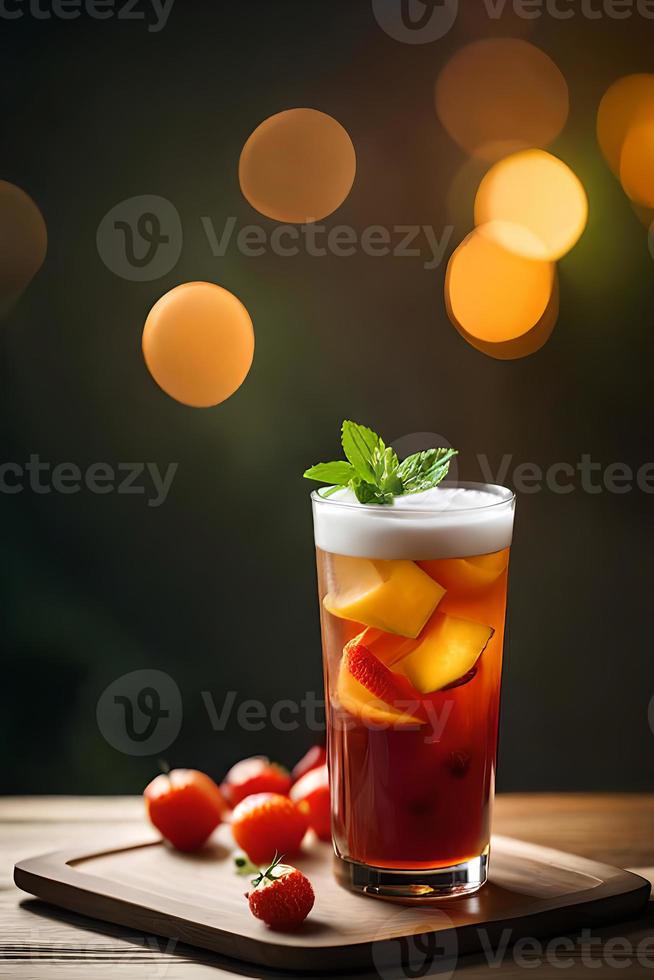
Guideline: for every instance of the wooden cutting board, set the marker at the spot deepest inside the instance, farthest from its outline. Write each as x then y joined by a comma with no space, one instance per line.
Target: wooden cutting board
199,899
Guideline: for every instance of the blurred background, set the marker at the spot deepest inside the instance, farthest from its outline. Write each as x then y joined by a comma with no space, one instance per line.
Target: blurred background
215,584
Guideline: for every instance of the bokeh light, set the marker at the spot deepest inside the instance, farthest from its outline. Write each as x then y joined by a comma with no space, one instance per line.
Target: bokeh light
524,345
537,205
23,243
198,343
637,163
628,102
500,95
494,294
297,166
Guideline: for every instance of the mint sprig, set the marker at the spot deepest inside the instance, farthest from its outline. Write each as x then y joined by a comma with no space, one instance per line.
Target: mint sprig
372,470
425,470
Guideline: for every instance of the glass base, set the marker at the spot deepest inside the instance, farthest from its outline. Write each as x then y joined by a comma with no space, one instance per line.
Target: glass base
419,886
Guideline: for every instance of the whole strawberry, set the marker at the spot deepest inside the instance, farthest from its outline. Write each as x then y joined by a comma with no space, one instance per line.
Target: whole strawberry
281,896
267,824
254,775
185,806
313,790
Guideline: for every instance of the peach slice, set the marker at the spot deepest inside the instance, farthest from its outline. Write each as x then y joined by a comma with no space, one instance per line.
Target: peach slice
467,574
370,691
394,596
446,650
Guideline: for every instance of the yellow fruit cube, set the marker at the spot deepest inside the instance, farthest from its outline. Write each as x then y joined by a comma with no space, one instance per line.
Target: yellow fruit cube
443,653
467,574
394,596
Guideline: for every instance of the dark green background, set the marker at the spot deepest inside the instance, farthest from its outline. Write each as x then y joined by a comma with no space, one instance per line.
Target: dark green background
217,586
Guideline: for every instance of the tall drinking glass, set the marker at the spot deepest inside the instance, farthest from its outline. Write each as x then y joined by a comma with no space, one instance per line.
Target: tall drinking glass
413,602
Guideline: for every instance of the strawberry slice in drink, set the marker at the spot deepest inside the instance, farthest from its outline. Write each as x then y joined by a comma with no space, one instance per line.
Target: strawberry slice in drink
367,689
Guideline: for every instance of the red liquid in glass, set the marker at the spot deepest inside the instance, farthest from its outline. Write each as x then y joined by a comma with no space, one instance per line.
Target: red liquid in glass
420,797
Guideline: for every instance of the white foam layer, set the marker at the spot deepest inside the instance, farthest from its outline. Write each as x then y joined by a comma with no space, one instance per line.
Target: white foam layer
445,522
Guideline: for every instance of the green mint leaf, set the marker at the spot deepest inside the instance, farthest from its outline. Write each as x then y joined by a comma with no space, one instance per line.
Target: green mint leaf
338,472
362,447
390,481
368,493
425,470
373,472
365,492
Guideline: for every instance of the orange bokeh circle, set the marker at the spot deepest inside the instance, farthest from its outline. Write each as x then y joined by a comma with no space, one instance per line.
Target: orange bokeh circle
493,294
500,95
198,343
627,101
23,243
537,205
637,162
522,346
297,166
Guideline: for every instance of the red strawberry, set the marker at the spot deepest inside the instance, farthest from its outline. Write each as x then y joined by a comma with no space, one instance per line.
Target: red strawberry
281,895
255,775
313,789
266,823
375,676
315,757
185,806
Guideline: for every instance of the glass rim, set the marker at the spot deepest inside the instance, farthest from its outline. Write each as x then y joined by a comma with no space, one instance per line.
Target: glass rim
504,494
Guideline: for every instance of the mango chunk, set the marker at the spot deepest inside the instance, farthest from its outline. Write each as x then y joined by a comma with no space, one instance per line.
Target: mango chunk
394,596
445,651
467,574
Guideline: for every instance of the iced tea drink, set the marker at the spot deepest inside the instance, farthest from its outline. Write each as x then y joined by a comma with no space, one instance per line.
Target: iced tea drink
413,599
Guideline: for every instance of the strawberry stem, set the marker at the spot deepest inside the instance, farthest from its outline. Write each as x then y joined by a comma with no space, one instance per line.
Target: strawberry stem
268,873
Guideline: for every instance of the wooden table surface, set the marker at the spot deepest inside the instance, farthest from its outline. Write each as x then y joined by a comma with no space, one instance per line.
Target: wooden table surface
39,941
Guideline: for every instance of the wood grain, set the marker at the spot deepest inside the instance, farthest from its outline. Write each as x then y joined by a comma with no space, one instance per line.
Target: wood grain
198,899
38,941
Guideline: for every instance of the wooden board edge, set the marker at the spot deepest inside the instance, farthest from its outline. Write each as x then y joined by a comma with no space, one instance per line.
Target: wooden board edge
51,878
